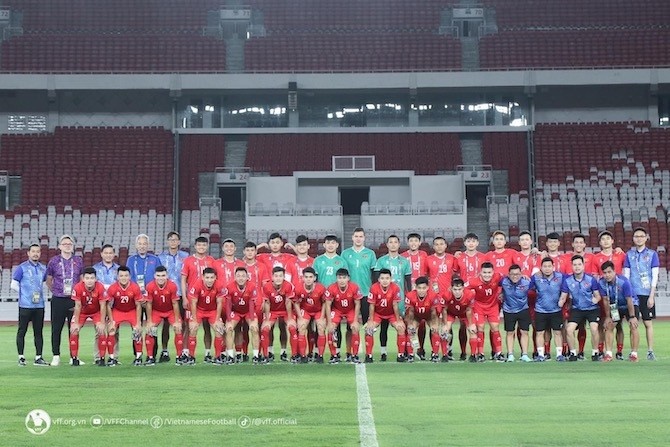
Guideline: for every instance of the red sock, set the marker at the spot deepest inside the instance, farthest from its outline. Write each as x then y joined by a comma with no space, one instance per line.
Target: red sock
497,341
473,346
409,349
302,345
369,344
445,346
111,344
321,344
355,343
547,347
138,347
331,345
192,343
402,340
581,337
150,342
218,346
601,347
462,337
238,348
74,345
435,342
102,346
619,347
265,341
480,342
566,348
293,333
178,344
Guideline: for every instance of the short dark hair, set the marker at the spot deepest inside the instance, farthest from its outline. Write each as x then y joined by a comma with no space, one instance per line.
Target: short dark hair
275,235
554,235
644,230
201,239
123,268
250,244
437,238
526,232
471,236
107,246
342,272
160,268
497,232
578,236
487,265
241,269
607,265
90,271
309,270
547,259
173,233
34,245
331,237
577,257
514,267
457,281
359,229
301,238
278,269
421,280
207,270
414,235
385,272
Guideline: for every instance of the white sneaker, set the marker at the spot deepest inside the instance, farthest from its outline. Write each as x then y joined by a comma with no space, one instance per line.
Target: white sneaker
525,358
510,357
55,361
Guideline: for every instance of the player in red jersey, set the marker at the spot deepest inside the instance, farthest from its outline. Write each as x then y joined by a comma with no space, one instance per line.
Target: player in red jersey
469,264
240,306
206,298
529,259
302,258
488,294
383,300
457,304
163,305
500,257
441,266
418,262
277,295
608,253
258,275
127,299
421,308
309,306
227,264
343,301
90,301
191,273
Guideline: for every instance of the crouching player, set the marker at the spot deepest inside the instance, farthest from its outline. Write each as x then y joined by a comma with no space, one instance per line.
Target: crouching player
206,300
343,301
309,305
90,301
277,306
240,307
384,302
457,304
163,306
127,298
420,307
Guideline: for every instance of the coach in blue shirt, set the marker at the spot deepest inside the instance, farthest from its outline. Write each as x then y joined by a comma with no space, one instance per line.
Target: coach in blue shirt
547,285
143,264
28,280
515,311
582,289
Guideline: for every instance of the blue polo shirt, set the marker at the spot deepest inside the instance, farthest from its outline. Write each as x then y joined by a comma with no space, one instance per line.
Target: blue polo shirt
173,264
617,291
143,266
548,292
641,264
106,275
581,291
515,295
31,277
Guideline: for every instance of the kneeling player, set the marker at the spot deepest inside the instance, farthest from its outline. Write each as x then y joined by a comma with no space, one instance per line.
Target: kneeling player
127,298
309,306
384,301
420,307
240,303
206,300
457,304
163,306
90,301
343,301
277,296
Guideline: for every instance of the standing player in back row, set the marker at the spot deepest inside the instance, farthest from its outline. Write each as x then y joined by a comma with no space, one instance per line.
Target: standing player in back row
501,258
469,264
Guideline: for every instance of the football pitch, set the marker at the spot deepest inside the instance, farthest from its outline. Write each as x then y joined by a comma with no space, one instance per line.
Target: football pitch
420,404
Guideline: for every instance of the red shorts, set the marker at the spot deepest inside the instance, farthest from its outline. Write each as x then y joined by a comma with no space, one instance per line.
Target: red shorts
274,316
309,315
209,315
422,317
84,317
336,317
235,316
483,314
463,319
128,317
157,317
378,318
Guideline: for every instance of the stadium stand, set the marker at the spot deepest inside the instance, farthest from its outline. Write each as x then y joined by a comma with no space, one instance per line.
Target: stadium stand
198,154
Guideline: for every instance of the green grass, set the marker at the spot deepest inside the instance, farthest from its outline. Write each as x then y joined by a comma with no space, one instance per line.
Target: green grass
458,404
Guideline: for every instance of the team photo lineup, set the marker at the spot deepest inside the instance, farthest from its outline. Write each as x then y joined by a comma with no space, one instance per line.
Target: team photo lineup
547,299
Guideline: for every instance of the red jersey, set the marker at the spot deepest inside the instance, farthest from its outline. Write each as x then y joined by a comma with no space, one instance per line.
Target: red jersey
90,299
470,265
418,262
285,260
502,260
458,307
162,298
442,269
589,263
383,299
343,301
529,263
205,297
225,270
559,263
310,301
422,306
486,293
617,258
278,297
192,268
258,273
301,265
124,300
240,301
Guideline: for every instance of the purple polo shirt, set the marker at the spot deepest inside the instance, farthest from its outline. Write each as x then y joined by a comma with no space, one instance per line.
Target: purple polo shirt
61,269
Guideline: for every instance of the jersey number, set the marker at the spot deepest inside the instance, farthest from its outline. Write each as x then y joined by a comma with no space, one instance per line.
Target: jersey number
344,303
383,302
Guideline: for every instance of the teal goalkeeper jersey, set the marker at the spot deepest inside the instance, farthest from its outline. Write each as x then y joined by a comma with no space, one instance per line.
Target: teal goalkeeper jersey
361,263
400,267
326,268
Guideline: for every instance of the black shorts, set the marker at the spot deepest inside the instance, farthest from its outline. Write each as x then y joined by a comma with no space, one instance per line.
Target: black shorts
511,319
582,316
647,313
623,313
553,320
